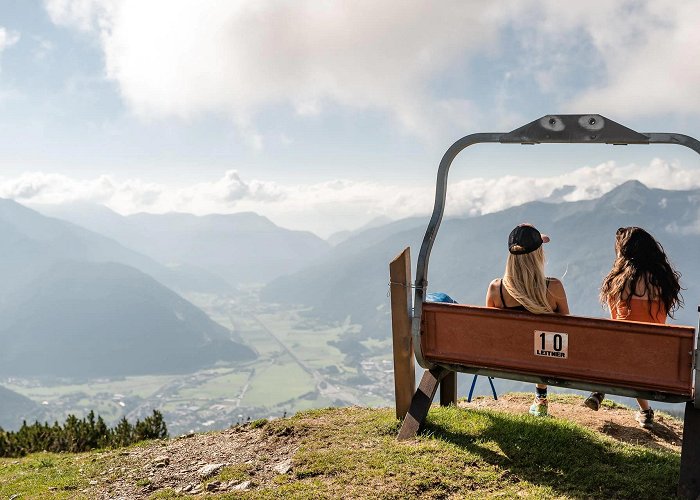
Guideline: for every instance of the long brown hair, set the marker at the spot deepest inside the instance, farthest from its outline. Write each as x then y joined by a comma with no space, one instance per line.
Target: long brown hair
640,258
525,281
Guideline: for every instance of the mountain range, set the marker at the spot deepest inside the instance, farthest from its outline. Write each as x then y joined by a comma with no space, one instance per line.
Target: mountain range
83,319
71,289
237,248
352,280
76,303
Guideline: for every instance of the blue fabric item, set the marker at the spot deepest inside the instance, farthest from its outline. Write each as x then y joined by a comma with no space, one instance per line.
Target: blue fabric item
439,297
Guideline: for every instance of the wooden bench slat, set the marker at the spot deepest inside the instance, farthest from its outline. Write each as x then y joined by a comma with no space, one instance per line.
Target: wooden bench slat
633,355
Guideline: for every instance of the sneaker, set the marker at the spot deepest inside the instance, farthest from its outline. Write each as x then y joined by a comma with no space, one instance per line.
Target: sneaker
594,400
645,418
539,407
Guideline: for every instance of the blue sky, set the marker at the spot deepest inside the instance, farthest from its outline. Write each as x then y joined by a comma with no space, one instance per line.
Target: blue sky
324,114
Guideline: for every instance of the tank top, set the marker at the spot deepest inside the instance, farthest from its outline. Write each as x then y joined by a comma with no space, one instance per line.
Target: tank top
638,310
519,307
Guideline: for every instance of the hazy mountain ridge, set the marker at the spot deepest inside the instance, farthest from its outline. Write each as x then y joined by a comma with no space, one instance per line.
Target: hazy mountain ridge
72,304
238,248
32,242
340,236
470,252
14,408
106,319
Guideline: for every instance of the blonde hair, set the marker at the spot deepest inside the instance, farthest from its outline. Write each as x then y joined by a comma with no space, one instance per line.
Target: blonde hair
525,281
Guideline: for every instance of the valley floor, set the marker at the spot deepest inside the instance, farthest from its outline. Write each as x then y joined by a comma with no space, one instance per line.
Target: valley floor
297,368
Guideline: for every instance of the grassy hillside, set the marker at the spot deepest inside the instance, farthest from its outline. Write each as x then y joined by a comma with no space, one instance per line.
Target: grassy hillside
474,452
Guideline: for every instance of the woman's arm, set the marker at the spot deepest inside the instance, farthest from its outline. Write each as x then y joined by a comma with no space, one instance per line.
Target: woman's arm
491,293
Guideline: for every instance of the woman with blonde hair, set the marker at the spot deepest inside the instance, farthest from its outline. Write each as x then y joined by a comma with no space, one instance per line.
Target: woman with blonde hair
524,287
641,286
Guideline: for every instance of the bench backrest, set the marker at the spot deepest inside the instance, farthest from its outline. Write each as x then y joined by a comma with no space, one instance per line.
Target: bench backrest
655,361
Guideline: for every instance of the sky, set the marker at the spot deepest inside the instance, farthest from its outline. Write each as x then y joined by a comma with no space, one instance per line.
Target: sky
325,114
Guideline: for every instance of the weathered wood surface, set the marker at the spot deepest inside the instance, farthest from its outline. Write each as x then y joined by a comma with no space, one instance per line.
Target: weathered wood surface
689,482
616,354
448,389
401,305
420,404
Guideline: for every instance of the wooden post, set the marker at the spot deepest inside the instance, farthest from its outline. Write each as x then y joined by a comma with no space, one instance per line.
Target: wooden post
420,404
401,305
689,482
448,389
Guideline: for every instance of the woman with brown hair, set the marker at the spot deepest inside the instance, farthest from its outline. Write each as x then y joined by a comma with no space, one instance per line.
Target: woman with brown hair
641,286
524,287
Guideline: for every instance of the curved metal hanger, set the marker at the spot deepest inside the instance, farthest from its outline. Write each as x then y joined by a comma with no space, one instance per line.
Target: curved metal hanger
574,129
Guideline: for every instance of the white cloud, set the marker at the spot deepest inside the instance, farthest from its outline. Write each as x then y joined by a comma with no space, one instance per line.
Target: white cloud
331,206
85,15
646,49
182,58
8,38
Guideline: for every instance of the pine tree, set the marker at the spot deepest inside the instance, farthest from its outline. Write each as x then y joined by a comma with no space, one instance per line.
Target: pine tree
79,435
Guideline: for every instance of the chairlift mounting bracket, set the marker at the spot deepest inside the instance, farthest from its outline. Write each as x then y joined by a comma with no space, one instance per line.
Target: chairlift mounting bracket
574,129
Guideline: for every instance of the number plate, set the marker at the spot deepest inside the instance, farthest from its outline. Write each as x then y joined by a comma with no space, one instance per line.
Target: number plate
551,344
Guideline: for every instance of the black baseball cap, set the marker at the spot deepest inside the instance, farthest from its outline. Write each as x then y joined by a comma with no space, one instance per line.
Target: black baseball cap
525,238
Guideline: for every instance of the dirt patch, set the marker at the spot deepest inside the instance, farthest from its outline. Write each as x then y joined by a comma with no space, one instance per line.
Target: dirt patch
612,420
189,463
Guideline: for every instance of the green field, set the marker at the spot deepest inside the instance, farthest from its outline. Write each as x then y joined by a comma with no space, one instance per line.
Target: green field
138,386
225,386
278,382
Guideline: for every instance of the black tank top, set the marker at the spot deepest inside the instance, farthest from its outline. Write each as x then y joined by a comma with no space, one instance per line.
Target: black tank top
519,307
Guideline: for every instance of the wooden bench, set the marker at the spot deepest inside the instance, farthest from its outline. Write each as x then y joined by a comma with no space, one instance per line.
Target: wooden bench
624,358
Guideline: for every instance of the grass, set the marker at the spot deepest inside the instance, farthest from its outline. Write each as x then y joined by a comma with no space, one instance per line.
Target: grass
48,474
353,452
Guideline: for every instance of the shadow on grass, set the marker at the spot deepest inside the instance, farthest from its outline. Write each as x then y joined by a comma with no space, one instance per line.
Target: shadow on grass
570,460
637,435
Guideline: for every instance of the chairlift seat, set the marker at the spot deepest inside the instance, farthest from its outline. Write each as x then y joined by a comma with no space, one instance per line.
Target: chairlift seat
620,357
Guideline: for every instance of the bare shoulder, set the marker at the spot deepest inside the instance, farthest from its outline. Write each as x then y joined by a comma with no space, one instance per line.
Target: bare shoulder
492,293
555,284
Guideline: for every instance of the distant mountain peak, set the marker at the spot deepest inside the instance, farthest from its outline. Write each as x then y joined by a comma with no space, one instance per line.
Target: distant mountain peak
629,197
631,185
